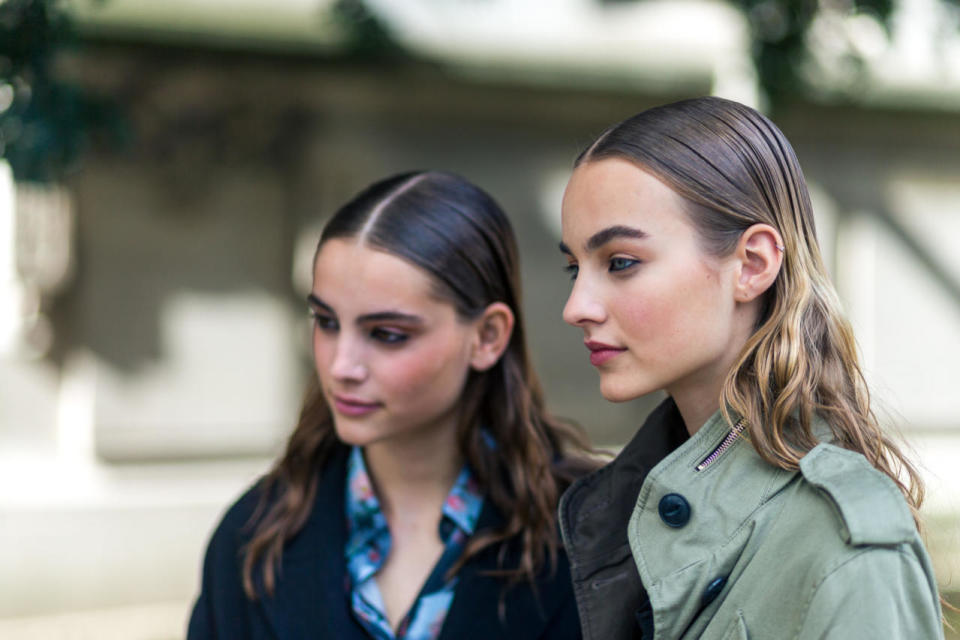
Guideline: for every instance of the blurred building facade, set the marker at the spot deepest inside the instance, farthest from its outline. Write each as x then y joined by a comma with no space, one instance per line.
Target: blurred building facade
154,331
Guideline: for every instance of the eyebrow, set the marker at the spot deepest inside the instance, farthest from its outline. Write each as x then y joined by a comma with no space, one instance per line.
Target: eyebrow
604,236
380,316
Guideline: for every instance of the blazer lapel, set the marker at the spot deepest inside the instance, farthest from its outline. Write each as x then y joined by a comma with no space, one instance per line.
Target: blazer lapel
475,610
310,599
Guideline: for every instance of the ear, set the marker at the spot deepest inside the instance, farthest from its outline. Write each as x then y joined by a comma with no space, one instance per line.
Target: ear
493,330
759,254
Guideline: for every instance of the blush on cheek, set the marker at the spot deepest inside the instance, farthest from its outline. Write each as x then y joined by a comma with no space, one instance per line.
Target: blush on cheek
646,319
423,371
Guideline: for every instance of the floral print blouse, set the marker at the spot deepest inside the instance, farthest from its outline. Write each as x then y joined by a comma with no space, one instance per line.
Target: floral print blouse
368,545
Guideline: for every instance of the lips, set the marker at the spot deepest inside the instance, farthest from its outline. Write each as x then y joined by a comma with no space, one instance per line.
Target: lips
353,407
601,353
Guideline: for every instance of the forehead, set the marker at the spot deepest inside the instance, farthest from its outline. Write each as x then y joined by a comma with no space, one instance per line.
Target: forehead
349,273
613,191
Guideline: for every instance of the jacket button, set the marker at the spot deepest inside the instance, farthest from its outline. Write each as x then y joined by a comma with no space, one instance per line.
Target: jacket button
674,510
713,590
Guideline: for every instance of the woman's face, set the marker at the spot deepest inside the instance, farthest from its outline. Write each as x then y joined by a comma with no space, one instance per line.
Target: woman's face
391,357
657,312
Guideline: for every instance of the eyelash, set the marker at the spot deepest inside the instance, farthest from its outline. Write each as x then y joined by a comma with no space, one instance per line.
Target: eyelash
388,336
379,334
323,321
630,262
617,264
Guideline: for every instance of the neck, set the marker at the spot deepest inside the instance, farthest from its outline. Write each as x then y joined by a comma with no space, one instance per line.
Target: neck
696,408
698,397
414,473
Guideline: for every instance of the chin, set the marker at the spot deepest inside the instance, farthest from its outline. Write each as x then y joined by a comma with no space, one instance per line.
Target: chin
351,433
619,393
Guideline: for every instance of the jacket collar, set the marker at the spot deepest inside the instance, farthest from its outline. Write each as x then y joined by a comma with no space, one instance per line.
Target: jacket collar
676,564
595,510
484,607
594,513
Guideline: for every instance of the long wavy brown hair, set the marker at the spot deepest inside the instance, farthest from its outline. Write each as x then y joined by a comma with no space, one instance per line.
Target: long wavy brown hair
735,168
457,234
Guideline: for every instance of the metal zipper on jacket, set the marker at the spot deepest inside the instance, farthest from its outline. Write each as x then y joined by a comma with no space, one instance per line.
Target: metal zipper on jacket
723,446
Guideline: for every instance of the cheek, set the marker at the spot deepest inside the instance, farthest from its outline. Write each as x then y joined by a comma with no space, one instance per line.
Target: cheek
677,308
649,315
424,371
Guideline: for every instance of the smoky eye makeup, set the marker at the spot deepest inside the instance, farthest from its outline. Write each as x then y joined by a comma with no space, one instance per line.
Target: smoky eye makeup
323,316
389,335
389,327
324,321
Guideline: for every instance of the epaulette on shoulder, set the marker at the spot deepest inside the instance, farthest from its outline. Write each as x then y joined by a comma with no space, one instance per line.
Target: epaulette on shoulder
870,505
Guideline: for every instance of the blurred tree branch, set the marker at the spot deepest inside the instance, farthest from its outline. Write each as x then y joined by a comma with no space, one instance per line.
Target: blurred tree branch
44,119
368,37
778,32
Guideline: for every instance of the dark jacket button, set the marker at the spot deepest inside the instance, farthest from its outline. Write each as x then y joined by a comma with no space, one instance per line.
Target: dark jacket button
674,510
713,590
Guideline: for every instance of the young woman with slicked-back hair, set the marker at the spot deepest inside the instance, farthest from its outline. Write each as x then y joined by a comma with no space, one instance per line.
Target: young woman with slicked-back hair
761,499
417,495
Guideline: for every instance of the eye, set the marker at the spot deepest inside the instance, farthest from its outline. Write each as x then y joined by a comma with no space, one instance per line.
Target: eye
621,264
388,336
572,270
324,322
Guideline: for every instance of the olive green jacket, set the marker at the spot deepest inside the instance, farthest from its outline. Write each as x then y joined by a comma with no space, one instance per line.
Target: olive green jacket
730,547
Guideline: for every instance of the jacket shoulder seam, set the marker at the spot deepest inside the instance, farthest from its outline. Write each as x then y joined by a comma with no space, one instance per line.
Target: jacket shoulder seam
853,508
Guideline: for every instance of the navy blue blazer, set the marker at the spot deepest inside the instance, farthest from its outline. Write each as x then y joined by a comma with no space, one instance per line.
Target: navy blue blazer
310,600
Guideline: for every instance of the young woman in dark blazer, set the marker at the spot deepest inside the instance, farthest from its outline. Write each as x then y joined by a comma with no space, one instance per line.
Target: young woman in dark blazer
416,498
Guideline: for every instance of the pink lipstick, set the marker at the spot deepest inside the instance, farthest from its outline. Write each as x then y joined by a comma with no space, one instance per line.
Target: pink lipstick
600,352
353,407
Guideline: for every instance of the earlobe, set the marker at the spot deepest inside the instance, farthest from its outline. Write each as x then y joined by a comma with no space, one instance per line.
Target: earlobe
493,331
760,255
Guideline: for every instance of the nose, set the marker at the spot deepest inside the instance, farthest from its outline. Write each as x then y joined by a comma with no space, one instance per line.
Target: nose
348,364
583,306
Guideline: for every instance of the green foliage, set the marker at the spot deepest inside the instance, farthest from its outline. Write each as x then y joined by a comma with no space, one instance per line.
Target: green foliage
43,120
46,121
778,30
368,38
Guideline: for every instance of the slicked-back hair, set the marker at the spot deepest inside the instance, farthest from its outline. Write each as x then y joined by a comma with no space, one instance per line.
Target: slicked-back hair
458,235
734,168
